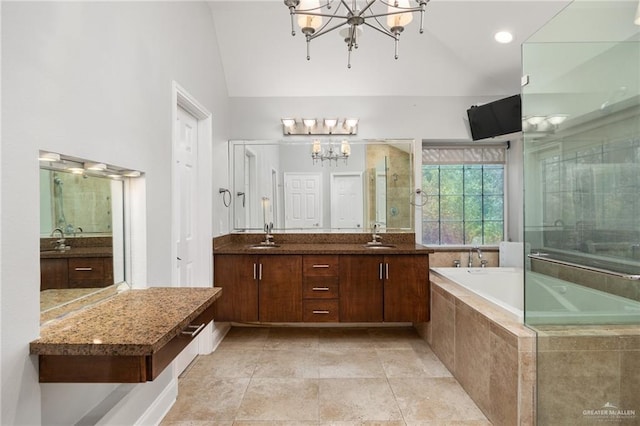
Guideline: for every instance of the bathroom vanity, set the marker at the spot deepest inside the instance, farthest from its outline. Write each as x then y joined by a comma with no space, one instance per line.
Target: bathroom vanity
321,278
129,338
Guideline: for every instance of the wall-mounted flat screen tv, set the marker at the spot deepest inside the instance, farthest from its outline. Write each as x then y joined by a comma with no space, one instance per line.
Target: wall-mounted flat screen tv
496,118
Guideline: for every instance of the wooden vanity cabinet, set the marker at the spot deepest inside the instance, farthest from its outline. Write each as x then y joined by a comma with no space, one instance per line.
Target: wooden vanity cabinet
280,288
75,272
361,290
406,288
392,288
259,288
320,288
235,274
54,274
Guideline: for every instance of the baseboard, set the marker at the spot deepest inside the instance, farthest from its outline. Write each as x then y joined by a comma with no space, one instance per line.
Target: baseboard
160,406
220,330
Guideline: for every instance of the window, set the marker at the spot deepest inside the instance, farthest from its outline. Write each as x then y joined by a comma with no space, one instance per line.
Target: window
464,193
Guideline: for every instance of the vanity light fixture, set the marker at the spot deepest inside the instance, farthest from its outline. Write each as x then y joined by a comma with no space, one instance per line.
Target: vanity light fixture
543,124
351,16
329,152
326,126
49,156
76,170
131,173
95,166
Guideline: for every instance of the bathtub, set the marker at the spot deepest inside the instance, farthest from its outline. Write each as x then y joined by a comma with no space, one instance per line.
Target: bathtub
477,331
500,286
549,300
552,301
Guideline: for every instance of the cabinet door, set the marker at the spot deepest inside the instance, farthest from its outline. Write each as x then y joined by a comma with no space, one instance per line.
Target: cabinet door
406,296
85,272
54,274
361,288
280,291
234,273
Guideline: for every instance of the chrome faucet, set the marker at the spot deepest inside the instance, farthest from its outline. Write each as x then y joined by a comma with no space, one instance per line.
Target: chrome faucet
477,249
268,238
375,237
59,244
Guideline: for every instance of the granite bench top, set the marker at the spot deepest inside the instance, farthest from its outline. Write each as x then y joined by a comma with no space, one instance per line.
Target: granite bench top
134,322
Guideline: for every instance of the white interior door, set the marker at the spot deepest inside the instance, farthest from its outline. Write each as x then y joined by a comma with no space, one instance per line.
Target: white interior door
347,206
303,200
186,155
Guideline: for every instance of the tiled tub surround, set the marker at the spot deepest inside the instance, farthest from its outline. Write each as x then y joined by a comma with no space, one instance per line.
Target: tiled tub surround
489,351
133,324
445,256
588,375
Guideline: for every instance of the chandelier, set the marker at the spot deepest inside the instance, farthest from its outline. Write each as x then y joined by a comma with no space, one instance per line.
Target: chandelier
318,153
349,17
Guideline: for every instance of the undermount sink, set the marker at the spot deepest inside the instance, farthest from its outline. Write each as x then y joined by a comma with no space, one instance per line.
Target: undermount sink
263,246
378,246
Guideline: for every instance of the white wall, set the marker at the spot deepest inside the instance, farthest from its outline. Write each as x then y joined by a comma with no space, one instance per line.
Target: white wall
92,80
433,118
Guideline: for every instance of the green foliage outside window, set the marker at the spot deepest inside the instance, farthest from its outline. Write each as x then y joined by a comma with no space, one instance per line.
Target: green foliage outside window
465,204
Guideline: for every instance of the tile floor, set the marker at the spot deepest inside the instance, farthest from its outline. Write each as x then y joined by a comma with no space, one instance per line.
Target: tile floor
321,376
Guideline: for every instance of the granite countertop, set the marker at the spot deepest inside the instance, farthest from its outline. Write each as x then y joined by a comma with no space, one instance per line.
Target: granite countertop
321,248
77,252
135,322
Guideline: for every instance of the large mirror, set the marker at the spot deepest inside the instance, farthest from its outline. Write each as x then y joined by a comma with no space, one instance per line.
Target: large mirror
81,233
322,185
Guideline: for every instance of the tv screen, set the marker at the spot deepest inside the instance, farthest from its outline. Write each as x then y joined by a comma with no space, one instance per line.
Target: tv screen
495,118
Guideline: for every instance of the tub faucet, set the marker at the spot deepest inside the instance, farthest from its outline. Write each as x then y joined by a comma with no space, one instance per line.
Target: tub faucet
471,255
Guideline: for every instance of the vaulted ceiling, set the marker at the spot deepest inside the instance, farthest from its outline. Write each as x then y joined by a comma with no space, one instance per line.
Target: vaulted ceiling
456,55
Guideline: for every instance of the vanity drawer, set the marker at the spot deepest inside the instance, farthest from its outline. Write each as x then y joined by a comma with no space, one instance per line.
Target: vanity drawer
320,288
320,310
86,271
320,266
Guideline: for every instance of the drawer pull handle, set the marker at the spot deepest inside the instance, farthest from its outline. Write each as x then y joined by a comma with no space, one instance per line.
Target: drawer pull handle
84,269
320,288
321,312
320,266
195,329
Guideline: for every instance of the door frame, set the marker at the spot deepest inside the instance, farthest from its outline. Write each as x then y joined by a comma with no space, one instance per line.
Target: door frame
203,271
203,227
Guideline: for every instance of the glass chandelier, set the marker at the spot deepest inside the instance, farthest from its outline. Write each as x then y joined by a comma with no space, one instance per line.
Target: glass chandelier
349,16
318,153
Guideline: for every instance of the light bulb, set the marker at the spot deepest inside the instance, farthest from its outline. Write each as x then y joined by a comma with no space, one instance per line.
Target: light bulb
400,19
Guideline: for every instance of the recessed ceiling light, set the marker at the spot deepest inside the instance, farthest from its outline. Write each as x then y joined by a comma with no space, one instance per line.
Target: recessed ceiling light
503,37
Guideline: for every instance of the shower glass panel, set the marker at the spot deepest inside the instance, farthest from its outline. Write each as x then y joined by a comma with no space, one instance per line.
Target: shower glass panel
581,127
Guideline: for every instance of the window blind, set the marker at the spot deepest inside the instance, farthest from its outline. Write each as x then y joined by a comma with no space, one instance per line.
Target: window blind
457,153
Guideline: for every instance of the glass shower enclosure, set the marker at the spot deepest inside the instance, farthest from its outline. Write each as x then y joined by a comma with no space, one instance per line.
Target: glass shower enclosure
581,127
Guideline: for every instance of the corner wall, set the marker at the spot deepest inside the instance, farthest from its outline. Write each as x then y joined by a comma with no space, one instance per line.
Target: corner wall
92,80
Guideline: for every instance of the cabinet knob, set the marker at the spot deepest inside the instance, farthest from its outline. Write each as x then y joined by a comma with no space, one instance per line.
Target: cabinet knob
321,312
